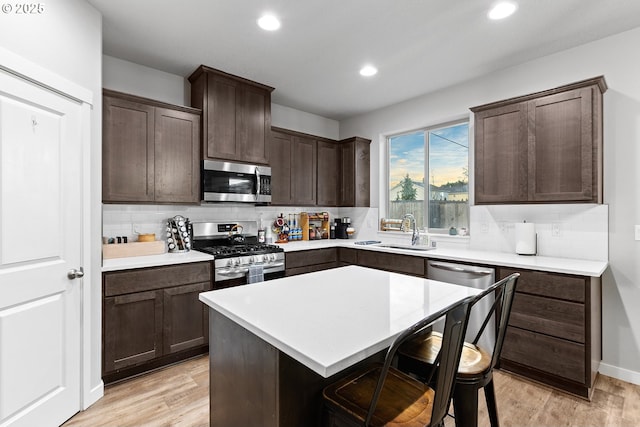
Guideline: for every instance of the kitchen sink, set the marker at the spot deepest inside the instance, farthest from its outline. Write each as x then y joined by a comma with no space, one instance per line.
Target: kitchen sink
405,247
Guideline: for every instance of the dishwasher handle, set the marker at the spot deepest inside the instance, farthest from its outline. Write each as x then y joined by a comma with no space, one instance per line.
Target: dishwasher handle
451,267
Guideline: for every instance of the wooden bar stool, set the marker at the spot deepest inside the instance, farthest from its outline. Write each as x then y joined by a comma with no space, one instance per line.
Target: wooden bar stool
383,396
475,370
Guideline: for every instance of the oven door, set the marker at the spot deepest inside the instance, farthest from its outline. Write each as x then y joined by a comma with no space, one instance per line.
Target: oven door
228,283
235,182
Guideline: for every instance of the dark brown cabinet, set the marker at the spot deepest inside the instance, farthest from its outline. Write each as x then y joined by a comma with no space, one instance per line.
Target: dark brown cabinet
151,151
396,263
300,262
307,170
293,168
152,317
328,179
236,115
542,147
554,332
354,172
303,171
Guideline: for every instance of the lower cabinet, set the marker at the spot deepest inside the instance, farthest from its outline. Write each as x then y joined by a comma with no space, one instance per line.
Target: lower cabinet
300,262
347,256
406,264
152,317
554,332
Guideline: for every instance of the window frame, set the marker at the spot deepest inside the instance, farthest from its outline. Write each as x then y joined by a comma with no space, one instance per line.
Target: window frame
425,130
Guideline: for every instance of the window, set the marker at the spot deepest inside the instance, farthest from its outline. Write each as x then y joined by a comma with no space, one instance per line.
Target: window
440,153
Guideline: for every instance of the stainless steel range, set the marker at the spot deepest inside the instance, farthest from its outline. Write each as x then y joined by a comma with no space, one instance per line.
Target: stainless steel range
237,253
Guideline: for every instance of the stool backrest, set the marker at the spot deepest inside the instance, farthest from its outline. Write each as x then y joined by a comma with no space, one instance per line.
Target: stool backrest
456,320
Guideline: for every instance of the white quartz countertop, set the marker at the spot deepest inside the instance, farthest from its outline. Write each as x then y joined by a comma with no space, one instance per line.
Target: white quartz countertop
541,263
331,319
128,263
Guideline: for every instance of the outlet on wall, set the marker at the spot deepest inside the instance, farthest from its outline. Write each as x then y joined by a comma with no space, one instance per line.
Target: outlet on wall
555,229
637,232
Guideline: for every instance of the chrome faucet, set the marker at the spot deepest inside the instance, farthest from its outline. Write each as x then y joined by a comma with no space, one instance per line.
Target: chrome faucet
414,235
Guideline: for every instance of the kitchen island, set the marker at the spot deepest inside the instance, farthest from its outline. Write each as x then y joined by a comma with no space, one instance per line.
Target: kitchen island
275,345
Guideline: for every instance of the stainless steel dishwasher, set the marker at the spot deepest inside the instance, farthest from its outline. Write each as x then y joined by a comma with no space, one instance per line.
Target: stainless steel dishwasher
474,277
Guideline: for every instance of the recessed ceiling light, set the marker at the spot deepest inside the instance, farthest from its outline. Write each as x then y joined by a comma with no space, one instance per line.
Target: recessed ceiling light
368,71
269,23
502,10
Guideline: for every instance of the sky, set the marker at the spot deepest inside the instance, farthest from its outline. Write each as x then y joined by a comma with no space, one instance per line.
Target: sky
448,153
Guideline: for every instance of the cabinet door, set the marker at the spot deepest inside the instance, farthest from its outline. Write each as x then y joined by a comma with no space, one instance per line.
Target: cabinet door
303,171
127,151
132,329
177,156
253,122
561,166
280,168
354,172
185,317
220,111
328,178
347,174
362,171
501,154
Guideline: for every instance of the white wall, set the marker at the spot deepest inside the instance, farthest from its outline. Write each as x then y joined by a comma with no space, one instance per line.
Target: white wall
135,79
289,118
614,57
67,40
128,77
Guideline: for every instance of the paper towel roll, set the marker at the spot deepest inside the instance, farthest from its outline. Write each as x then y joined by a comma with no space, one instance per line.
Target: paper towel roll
525,238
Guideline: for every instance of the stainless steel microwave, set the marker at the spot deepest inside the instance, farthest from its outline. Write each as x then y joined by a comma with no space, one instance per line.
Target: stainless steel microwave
235,182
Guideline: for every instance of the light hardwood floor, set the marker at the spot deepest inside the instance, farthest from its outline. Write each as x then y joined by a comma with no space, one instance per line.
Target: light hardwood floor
179,396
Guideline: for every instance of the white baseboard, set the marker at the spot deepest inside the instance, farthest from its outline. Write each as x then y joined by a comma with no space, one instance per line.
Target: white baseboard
93,396
632,377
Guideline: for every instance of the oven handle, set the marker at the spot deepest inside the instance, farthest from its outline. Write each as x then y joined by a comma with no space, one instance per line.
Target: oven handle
243,270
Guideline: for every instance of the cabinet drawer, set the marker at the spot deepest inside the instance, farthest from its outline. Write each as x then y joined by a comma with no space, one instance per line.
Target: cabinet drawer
560,319
571,288
309,269
407,264
311,257
553,355
129,281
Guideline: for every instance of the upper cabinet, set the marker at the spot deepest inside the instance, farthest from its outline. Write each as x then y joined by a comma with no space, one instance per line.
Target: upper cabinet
354,172
543,147
150,151
293,168
236,116
309,170
328,178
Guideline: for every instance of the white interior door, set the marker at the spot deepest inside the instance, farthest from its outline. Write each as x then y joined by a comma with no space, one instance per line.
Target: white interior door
40,242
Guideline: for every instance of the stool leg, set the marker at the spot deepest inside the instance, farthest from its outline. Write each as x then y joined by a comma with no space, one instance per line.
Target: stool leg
465,405
490,395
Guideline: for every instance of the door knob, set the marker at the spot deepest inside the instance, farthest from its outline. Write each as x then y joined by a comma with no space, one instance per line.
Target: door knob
75,274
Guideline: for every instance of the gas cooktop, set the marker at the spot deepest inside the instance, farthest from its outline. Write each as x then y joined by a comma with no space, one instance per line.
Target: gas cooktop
228,251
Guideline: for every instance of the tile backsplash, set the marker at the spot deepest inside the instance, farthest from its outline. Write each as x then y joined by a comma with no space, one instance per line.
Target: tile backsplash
129,220
563,230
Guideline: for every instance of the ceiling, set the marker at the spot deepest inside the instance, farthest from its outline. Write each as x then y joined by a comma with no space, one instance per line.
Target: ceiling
313,61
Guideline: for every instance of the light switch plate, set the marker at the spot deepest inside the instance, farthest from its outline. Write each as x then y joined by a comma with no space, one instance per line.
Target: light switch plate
637,232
